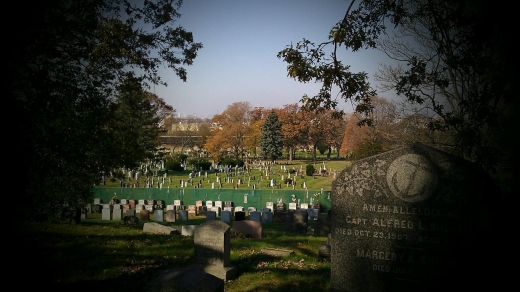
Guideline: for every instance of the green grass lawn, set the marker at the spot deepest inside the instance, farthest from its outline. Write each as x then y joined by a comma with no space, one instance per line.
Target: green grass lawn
100,255
317,182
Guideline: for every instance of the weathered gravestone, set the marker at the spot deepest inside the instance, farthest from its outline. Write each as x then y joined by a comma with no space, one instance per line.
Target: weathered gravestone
156,228
412,219
297,221
212,246
186,280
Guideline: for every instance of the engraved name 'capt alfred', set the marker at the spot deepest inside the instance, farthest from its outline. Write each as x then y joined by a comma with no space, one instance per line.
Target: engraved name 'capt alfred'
400,220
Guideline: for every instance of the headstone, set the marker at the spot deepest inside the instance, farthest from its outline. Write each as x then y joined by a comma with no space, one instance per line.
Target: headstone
209,204
293,206
158,215
240,215
192,210
322,226
132,204
280,217
188,230
156,228
414,219
216,210
170,216
140,202
304,206
251,228
277,252
250,209
188,279
144,215
124,201
239,209
267,217
97,201
225,216
218,204
212,247
177,203
170,207
211,215
117,214
270,205
183,215
313,213
106,214
255,216
297,221
202,210
228,204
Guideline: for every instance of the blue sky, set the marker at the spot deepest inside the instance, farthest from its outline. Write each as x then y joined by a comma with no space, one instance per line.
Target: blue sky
238,63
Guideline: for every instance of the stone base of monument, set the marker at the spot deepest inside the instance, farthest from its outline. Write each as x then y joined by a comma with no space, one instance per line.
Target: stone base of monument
224,273
189,279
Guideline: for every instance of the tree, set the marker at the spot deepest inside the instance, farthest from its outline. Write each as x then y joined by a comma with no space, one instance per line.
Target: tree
257,115
459,66
294,127
271,141
135,125
232,126
68,61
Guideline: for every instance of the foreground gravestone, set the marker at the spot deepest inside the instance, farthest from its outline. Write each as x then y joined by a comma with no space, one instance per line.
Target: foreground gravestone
250,228
189,279
413,219
212,246
156,228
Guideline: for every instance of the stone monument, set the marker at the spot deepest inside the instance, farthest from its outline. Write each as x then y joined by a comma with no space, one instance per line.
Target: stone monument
212,246
413,219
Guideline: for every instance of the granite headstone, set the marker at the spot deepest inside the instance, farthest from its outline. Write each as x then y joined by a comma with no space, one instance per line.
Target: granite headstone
413,219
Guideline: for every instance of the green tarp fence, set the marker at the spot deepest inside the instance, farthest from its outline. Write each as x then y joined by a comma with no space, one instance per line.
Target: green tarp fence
240,197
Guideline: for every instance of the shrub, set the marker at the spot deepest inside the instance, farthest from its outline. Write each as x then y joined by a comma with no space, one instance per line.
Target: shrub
232,162
174,165
309,169
199,164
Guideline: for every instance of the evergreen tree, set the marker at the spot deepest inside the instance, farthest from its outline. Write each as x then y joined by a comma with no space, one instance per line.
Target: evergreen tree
271,141
75,68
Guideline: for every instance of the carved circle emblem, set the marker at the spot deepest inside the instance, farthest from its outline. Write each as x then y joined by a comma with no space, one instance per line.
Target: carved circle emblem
412,178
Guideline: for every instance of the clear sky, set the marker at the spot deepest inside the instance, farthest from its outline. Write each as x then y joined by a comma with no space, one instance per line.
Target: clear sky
239,62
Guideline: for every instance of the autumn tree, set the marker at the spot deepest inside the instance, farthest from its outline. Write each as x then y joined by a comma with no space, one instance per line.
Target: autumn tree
271,141
232,126
457,64
257,118
294,127
69,62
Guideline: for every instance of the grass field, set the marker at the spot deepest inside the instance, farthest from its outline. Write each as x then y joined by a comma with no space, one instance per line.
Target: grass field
101,255
313,183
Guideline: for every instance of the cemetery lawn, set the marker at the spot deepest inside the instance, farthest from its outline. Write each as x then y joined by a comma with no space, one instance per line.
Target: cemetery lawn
101,255
316,183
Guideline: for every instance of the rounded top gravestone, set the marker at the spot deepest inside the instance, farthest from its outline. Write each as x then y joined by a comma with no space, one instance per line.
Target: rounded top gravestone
411,219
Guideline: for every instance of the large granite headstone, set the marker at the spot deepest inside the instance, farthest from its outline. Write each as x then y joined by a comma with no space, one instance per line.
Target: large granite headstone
212,246
413,219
